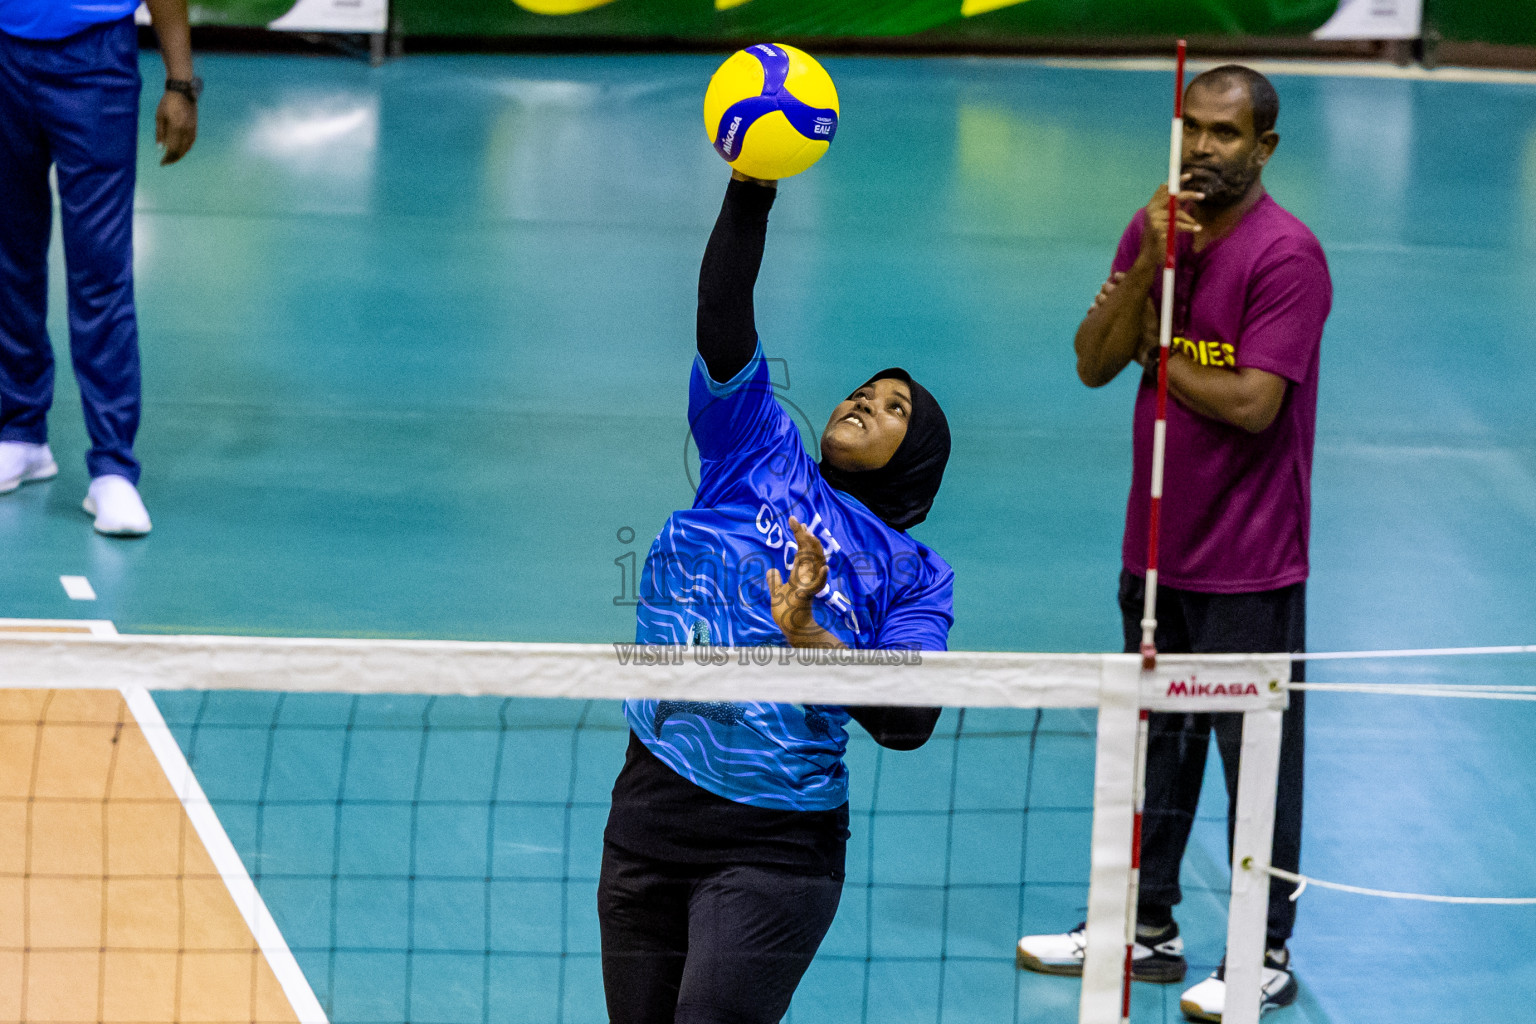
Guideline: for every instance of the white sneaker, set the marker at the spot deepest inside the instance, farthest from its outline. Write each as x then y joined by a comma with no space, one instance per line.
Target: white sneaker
22,463
118,509
1207,1000
1158,955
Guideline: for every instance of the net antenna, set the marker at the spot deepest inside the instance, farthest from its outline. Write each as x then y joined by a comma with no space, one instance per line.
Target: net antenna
1164,341
1159,450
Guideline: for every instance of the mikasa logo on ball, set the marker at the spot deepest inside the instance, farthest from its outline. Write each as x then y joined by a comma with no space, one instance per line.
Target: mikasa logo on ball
730,136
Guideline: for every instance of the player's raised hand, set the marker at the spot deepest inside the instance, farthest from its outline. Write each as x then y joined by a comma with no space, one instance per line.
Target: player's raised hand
1154,241
792,600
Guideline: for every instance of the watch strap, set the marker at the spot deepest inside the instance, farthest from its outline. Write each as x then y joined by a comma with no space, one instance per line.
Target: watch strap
191,88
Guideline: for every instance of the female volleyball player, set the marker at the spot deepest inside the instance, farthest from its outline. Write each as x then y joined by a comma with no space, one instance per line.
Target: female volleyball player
723,856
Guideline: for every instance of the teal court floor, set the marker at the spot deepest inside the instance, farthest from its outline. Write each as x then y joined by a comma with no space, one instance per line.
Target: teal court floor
416,342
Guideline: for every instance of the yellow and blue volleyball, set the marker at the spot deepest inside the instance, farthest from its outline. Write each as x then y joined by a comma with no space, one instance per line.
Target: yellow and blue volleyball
770,110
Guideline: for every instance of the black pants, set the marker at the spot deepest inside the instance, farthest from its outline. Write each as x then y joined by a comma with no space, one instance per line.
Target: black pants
706,944
1196,623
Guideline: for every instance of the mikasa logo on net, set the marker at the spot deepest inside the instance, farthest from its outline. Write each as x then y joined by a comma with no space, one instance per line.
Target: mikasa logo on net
1192,687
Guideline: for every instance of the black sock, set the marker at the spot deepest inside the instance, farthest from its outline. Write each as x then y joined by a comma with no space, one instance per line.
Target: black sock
1154,918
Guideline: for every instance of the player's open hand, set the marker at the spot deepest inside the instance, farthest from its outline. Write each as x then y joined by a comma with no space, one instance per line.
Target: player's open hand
792,600
175,126
1154,241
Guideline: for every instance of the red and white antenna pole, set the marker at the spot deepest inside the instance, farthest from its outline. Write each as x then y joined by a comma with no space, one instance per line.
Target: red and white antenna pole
1134,884
1164,340
1159,450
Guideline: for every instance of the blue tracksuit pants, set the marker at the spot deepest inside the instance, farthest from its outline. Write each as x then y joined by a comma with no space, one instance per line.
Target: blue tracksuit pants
73,104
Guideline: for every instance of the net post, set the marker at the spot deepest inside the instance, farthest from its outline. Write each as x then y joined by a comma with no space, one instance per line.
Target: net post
1247,916
1109,873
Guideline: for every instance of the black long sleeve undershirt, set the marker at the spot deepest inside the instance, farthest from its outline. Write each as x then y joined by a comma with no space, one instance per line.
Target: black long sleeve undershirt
900,728
727,337
727,332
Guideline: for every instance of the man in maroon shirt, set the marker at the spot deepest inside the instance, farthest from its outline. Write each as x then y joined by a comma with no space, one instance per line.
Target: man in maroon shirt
1252,294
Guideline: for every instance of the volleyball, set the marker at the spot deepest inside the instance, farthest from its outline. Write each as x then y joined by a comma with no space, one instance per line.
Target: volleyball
770,111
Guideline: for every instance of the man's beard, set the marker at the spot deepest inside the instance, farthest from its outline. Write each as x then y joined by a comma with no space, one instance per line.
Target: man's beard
1222,186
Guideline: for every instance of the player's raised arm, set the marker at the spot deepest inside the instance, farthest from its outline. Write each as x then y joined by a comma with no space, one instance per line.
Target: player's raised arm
727,333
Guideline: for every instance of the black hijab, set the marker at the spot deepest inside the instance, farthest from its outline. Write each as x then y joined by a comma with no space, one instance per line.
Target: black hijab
901,492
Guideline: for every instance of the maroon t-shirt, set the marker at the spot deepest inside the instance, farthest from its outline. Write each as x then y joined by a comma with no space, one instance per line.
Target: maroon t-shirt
1236,506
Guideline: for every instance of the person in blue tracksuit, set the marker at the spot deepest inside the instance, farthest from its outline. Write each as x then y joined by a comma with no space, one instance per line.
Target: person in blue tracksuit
69,99
723,858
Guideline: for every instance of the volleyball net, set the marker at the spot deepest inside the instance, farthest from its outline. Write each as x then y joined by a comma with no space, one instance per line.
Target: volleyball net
203,829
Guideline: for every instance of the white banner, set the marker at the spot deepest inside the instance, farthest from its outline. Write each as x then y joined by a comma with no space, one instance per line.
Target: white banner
371,16
335,16
1374,19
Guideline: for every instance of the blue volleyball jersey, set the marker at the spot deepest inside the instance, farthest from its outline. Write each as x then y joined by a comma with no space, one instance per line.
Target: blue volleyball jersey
56,19
704,582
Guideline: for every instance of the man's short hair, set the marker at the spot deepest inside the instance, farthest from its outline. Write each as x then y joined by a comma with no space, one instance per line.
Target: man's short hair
1262,98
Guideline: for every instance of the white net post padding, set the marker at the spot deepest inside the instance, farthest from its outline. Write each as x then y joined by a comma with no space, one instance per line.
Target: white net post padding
1114,789
1257,777
1113,683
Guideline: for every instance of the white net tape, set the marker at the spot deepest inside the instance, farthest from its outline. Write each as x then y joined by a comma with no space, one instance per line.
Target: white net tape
1210,682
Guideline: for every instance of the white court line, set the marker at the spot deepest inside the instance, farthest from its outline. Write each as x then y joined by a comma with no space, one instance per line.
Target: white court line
1307,68
45,627
78,588
252,907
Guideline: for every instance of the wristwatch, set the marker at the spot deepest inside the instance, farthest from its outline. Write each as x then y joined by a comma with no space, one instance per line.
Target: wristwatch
191,88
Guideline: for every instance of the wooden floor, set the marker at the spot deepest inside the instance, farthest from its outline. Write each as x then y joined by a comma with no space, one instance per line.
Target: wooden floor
111,910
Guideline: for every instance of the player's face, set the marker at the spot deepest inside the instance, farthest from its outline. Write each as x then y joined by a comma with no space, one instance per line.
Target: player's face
1223,156
866,429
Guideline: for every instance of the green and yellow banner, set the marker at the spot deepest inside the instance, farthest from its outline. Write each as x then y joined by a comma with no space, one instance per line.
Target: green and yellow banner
1510,22
731,20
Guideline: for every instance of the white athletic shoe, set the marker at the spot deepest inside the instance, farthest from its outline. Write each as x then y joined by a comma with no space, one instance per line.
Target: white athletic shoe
1207,1000
1158,956
22,463
118,509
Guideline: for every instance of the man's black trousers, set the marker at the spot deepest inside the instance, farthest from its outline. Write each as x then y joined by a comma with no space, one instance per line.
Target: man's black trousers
1189,622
